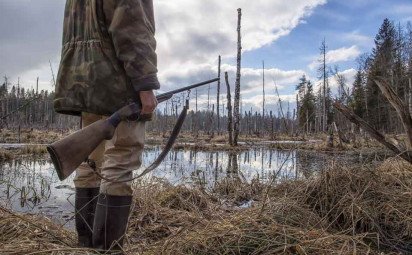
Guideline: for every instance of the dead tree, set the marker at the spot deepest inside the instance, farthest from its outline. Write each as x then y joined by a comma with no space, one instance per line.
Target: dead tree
196,132
281,110
237,86
211,121
263,95
410,96
218,96
348,113
52,73
229,111
272,124
324,76
401,108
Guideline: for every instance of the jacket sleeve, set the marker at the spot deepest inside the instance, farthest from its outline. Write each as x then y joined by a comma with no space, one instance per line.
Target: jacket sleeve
130,23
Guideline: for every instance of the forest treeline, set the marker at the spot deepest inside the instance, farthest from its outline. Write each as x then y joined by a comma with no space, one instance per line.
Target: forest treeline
390,59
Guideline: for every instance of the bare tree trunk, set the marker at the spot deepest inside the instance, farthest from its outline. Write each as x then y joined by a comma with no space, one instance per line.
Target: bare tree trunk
300,126
293,122
196,119
263,94
208,98
19,134
52,72
272,119
237,87
325,115
410,96
340,136
208,124
281,110
218,96
229,111
211,121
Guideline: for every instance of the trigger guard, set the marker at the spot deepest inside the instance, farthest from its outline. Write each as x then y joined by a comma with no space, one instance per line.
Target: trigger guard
145,117
134,117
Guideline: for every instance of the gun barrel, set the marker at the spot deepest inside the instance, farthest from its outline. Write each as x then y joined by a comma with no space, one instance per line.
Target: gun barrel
163,97
169,94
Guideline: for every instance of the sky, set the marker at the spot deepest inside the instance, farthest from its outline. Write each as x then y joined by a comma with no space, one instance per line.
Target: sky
191,34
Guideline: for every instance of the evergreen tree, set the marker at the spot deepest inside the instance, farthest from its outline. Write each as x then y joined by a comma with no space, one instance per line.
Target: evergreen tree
357,101
385,48
381,67
301,87
399,68
307,109
3,90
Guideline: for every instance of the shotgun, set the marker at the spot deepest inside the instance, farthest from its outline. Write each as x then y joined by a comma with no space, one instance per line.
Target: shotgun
68,153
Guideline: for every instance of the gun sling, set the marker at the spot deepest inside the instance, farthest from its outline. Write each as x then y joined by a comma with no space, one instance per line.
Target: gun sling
159,159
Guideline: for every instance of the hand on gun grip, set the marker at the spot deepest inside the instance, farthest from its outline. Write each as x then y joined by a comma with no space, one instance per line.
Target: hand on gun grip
149,103
129,112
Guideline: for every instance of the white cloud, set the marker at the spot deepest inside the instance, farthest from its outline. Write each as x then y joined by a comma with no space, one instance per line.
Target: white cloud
338,55
359,39
194,33
348,74
190,36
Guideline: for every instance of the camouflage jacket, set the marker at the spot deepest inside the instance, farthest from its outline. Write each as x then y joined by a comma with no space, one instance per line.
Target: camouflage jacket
108,55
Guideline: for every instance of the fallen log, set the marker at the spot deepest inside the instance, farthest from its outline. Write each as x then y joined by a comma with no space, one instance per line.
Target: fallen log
348,113
400,107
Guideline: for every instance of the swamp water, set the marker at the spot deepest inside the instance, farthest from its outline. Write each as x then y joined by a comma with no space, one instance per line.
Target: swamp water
32,186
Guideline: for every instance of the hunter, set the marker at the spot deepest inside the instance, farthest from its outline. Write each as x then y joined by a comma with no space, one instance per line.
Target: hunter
108,60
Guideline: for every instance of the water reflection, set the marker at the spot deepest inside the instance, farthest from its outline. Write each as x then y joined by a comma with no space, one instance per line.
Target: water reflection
31,185
207,167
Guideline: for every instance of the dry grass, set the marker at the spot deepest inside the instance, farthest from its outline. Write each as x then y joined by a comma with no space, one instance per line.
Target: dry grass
33,150
23,152
35,136
366,201
179,220
26,234
5,155
339,211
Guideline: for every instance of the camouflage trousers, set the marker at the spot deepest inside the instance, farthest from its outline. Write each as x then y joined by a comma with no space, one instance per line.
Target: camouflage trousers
115,159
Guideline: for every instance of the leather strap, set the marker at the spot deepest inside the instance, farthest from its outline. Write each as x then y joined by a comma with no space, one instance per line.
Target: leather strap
159,159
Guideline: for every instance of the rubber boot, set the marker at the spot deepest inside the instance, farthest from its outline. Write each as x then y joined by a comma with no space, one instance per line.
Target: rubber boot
85,205
110,222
